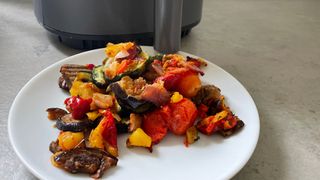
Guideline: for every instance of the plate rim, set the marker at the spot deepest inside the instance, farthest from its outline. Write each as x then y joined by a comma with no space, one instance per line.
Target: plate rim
39,175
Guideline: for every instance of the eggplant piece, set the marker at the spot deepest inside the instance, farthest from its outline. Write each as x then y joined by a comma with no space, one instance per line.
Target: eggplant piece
122,127
85,160
56,113
54,146
63,84
69,73
130,103
67,123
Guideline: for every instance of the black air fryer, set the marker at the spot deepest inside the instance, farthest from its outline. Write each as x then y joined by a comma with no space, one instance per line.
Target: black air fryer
90,24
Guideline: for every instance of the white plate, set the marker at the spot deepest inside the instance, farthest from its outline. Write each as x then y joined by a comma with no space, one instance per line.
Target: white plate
212,157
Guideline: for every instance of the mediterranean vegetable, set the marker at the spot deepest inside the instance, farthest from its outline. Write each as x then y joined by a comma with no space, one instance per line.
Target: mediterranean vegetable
68,123
128,102
139,138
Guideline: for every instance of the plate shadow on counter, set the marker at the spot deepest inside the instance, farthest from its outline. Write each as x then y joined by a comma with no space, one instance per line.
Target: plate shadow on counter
268,159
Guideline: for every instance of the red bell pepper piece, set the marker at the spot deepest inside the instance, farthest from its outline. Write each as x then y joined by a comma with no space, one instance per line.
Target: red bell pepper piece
109,130
212,124
202,111
172,77
78,106
90,66
123,66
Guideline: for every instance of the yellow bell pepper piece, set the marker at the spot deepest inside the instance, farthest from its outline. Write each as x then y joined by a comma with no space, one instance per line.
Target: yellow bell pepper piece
69,140
176,97
139,138
82,89
113,49
220,115
96,139
93,115
191,135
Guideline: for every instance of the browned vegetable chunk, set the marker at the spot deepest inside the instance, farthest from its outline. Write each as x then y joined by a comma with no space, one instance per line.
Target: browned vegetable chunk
85,160
69,73
56,113
134,122
207,95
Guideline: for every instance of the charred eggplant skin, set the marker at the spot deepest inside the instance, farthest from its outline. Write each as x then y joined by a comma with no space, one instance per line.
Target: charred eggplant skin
67,123
130,103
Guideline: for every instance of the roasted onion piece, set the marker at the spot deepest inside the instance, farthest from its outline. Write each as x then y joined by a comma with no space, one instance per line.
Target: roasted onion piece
129,102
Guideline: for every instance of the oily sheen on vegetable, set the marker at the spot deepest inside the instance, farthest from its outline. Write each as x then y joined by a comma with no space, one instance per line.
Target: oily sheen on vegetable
132,92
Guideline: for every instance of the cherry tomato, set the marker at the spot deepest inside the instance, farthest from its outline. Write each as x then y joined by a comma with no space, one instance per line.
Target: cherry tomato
154,124
183,116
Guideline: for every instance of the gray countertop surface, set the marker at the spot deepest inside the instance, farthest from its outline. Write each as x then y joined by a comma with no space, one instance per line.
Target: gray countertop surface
272,47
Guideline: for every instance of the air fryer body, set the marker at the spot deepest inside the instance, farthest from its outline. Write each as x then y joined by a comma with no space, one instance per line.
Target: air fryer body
84,24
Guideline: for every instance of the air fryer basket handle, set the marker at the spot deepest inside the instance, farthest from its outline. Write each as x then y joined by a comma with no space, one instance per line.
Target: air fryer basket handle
168,17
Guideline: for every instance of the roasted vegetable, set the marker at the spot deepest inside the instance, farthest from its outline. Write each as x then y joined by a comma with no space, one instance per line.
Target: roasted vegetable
63,84
102,101
128,50
176,97
98,77
84,76
84,160
78,106
207,95
133,70
122,126
104,136
139,139
68,123
228,132
84,90
182,80
155,93
212,124
56,113
135,121
154,68
196,61
69,140
202,111
154,124
129,102
191,136
183,116
172,78
189,85
93,115
54,146
69,73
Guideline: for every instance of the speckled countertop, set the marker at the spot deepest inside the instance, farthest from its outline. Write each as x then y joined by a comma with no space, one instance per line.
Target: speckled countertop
272,47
